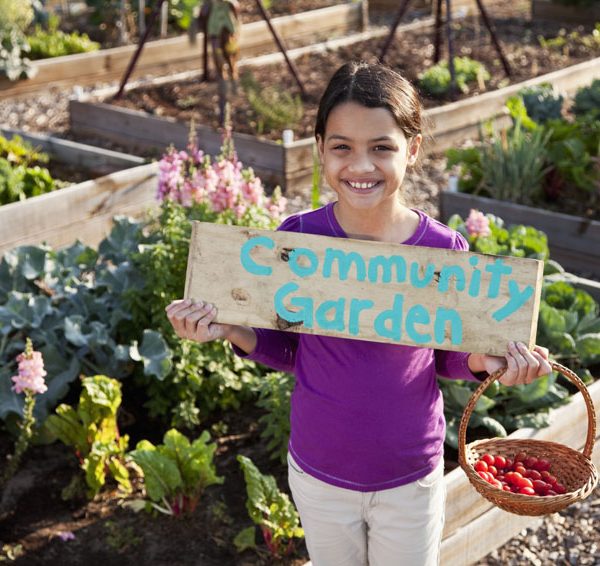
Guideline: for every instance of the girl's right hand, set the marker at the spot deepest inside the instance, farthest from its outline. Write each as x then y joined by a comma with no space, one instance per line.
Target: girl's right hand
194,321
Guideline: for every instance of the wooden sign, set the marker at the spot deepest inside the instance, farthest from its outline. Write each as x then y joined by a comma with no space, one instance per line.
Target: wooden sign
429,297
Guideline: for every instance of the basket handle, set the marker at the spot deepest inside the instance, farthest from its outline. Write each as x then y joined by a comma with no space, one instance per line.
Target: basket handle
571,376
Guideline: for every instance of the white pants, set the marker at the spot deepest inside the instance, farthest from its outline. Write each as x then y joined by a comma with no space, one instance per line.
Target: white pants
393,527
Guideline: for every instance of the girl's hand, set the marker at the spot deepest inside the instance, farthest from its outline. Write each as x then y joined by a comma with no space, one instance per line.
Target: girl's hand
194,321
523,365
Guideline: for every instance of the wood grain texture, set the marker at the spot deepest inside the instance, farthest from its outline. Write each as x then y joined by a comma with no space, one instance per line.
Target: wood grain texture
216,274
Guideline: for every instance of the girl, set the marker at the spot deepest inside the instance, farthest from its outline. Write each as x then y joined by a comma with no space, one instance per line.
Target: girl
367,424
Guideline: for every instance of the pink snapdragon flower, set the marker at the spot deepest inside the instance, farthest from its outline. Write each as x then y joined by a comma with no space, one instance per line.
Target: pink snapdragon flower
478,224
31,372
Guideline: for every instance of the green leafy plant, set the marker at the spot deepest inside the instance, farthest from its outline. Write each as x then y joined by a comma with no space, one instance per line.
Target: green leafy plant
436,80
275,392
177,472
587,100
16,17
271,510
53,42
70,303
510,167
19,152
569,326
496,238
542,103
274,109
566,42
91,430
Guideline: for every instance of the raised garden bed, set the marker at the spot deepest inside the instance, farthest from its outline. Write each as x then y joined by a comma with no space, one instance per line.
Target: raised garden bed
82,211
291,165
574,241
79,161
159,55
557,12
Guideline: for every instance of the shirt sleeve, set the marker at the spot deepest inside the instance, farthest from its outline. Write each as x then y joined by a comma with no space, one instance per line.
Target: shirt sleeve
274,348
455,365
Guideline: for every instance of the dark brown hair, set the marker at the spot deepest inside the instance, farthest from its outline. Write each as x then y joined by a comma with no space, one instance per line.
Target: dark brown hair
372,86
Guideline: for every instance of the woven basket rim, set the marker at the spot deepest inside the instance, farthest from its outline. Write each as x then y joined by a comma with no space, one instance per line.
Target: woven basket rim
520,503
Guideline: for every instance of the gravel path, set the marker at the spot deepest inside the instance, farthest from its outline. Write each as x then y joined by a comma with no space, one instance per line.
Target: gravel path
571,537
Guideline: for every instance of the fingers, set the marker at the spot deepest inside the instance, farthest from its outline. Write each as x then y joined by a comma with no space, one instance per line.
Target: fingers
524,365
192,320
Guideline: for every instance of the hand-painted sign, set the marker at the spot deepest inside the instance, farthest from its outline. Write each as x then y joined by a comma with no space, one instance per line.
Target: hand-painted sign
365,290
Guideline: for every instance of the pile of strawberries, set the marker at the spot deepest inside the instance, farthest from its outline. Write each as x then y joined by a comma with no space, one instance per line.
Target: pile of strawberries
524,474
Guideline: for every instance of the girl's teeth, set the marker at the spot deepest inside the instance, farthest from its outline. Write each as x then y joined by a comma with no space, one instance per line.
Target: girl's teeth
362,185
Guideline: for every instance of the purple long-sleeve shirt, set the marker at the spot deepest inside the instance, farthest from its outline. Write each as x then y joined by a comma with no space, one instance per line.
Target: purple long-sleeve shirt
365,415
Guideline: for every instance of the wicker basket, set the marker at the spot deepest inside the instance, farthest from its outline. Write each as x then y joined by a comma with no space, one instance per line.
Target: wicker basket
573,469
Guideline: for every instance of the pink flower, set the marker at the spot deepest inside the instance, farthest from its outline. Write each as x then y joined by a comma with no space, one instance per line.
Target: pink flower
477,224
65,535
31,372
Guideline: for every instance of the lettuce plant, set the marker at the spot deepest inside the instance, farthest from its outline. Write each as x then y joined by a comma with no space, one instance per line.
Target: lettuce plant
177,472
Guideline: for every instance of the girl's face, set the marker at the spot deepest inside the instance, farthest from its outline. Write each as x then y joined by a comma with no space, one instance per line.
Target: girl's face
364,156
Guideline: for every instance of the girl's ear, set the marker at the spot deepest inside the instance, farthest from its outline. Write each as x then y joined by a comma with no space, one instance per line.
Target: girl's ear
413,148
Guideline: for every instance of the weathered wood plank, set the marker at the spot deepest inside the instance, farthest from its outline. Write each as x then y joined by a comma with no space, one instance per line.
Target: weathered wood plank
545,10
244,272
82,211
91,158
574,241
158,55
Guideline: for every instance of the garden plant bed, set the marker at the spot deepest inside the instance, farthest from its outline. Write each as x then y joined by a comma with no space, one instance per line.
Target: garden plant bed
574,241
154,116
81,211
76,162
160,55
33,515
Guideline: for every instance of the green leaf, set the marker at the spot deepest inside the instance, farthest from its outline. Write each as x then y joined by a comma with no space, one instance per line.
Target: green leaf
154,353
161,475
588,348
245,539
9,400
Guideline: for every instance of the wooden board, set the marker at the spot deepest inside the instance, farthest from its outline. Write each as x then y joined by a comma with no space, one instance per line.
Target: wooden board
84,211
373,291
553,11
90,158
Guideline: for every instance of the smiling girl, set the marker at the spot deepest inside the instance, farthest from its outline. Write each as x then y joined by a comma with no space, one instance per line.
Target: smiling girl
367,424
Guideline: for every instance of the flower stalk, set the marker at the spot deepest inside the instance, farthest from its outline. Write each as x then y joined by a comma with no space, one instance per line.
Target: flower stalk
30,381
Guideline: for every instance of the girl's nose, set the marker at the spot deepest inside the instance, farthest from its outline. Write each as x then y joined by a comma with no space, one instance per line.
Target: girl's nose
361,163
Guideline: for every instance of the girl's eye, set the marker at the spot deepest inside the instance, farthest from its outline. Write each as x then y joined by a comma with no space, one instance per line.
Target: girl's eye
383,148
341,146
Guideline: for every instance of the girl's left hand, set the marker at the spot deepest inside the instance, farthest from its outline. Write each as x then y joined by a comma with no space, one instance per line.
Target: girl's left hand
523,365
